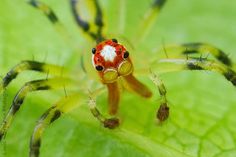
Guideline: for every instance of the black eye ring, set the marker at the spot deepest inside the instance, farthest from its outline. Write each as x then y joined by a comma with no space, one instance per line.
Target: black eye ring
93,50
114,40
99,68
126,54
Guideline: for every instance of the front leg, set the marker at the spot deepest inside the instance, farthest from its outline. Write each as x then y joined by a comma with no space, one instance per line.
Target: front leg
50,69
36,85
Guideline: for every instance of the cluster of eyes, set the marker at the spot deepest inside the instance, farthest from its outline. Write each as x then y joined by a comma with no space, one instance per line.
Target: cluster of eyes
100,67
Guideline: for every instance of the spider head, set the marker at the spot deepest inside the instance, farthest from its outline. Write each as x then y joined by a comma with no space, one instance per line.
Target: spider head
111,60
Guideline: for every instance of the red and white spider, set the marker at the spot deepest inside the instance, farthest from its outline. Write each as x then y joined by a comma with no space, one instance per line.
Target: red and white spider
113,64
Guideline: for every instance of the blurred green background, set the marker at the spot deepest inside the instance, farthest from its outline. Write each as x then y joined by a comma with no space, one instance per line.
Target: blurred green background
202,120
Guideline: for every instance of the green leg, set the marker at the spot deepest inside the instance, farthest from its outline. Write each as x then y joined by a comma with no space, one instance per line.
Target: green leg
180,64
190,49
99,21
59,27
110,123
46,10
22,93
163,111
94,29
31,65
63,106
122,8
149,19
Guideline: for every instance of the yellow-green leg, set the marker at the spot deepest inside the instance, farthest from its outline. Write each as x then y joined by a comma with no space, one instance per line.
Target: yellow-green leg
63,106
31,65
49,13
110,123
46,10
94,28
22,93
52,114
190,50
149,19
180,64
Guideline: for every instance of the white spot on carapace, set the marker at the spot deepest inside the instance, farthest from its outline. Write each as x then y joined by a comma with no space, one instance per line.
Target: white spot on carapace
108,53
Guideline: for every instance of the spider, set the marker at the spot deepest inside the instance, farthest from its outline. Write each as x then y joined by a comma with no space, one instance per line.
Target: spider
113,63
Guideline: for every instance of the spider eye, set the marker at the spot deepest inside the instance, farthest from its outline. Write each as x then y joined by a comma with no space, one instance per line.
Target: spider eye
125,68
114,40
110,75
126,54
93,50
99,68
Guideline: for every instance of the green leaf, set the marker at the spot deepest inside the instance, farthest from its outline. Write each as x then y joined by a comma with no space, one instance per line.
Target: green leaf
202,112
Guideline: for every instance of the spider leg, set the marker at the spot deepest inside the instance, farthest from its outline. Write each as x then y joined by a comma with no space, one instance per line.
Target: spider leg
30,65
189,49
181,64
63,106
110,123
163,111
130,82
31,86
149,19
85,25
46,10
52,17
